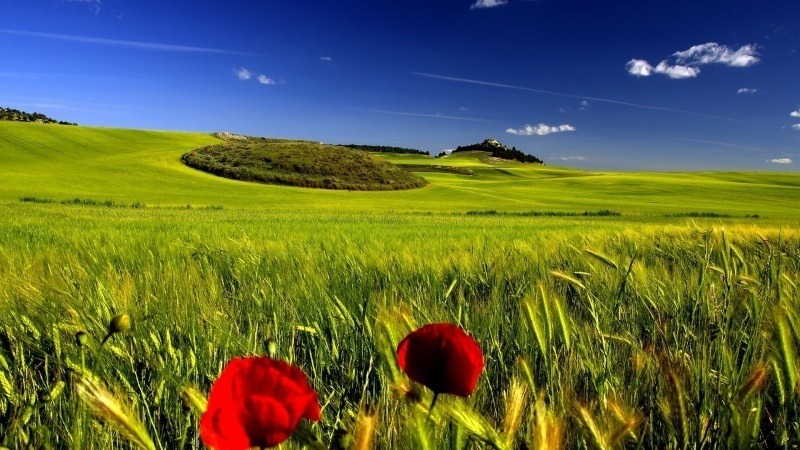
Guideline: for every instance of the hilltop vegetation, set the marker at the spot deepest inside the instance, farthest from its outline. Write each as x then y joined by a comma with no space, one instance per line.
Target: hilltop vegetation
498,150
21,116
301,163
387,149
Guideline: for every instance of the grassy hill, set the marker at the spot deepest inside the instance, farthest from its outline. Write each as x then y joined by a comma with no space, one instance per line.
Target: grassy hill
301,163
128,166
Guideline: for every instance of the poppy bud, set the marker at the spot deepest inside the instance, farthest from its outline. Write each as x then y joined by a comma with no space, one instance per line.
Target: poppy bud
272,347
341,440
119,323
81,339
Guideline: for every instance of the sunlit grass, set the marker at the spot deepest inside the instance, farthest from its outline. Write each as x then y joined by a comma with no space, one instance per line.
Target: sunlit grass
609,331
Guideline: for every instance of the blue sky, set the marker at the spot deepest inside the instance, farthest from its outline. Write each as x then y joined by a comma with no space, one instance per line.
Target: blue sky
618,84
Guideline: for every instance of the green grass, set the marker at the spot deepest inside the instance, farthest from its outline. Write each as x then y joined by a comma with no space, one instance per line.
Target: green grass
301,164
128,166
644,330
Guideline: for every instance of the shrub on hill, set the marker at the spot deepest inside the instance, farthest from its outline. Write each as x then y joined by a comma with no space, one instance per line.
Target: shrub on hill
21,116
499,150
302,164
387,149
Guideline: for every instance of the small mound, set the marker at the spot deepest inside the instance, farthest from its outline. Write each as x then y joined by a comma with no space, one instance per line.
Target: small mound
301,163
500,151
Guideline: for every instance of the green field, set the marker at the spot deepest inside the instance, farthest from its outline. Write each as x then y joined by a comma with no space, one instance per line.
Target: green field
140,166
654,328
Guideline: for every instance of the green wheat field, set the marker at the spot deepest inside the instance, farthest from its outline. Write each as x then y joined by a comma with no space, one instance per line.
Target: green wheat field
614,309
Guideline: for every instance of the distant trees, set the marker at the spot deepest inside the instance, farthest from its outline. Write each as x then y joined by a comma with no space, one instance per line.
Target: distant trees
21,116
499,150
386,149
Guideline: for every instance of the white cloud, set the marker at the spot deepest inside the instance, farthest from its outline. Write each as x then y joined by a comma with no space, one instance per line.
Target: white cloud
584,105
780,161
796,126
795,113
572,158
639,68
463,108
325,58
432,116
677,71
447,151
540,130
747,91
480,4
244,74
713,53
264,80
686,64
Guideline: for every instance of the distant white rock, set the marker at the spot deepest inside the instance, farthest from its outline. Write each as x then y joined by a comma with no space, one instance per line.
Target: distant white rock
228,136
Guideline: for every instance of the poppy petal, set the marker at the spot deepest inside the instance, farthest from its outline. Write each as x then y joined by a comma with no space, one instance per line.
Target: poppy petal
257,402
266,421
442,357
222,430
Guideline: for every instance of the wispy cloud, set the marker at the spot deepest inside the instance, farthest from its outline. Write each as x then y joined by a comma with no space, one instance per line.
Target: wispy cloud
94,5
482,4
264,80
723,144
326,58
747,91
431,116
570,158
780,161
29,76
685,64
795,113
713,53
121,43
561,94
796,126
243,74
584,105
45,104
540,130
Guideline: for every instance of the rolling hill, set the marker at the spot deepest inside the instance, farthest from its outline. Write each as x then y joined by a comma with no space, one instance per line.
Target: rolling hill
130,166
302,164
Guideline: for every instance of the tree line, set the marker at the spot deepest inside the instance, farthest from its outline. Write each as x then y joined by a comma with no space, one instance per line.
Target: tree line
386,149
21,116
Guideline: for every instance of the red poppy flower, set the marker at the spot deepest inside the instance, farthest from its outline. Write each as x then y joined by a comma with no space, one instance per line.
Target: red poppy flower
442,357
256,402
